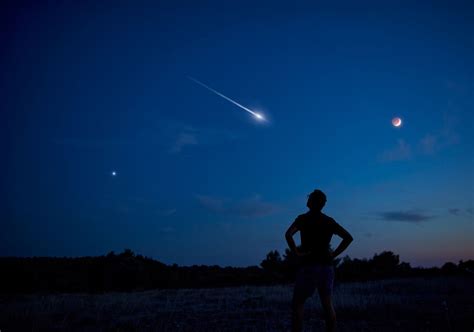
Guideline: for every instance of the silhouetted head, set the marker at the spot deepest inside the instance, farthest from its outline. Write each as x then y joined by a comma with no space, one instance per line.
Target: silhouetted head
316,200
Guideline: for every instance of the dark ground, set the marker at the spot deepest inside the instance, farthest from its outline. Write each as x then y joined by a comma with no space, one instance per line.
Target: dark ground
417,304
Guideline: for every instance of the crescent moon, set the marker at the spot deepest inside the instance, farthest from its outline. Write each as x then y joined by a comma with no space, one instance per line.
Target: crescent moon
397,122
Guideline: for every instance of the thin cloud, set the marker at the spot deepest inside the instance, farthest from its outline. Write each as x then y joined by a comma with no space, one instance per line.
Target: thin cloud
428,144
182,140
431,144
461,212
184,136
253,207
173,137
401,151
405,216
248,208
211,203
454,211
444,138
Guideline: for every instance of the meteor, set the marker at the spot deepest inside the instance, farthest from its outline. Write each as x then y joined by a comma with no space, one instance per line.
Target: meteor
255,114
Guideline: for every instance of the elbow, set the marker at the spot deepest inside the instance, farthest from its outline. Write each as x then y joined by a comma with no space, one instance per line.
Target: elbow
349,239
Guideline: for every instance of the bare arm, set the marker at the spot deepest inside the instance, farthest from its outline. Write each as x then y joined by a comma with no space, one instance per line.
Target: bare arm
289,237
291,243
346,240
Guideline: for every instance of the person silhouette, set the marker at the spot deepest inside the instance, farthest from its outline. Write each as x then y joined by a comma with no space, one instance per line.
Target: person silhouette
316,268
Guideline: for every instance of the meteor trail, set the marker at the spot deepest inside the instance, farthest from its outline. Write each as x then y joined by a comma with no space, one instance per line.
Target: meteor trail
257,115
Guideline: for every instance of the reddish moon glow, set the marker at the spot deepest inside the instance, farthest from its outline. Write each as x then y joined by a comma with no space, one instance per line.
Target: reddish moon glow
396,122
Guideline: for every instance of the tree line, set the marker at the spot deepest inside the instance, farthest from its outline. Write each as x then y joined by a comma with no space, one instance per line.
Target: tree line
128,271
380,266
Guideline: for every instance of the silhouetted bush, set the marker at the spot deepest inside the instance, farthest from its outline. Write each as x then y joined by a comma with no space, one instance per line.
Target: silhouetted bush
129,272
122,272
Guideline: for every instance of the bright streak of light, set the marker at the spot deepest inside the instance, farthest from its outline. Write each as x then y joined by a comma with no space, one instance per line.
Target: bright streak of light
257,115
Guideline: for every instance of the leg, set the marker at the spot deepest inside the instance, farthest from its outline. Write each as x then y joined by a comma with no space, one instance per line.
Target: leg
325,294
329,313
297,315
304,288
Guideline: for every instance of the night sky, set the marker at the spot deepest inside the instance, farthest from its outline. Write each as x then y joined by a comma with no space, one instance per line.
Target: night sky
88,89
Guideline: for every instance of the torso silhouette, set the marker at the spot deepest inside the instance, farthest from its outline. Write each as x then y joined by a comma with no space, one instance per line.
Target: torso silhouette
316,230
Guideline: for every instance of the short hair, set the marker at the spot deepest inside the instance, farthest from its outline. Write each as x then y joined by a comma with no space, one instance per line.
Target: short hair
318,197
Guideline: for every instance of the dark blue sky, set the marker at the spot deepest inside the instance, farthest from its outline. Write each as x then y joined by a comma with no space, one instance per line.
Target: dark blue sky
88,89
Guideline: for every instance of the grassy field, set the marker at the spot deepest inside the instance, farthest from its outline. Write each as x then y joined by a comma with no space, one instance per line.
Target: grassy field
434,304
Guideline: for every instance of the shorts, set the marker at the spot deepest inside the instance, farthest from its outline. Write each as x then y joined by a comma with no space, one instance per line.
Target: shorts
310,277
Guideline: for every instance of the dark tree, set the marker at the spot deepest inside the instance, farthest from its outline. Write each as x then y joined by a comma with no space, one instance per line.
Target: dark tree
273,262
449,268
385,263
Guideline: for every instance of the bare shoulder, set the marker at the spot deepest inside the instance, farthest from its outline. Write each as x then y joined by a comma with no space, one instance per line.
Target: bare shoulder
328,218
302,216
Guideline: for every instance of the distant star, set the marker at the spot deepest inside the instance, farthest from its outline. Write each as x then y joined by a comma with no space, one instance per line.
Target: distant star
114,173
